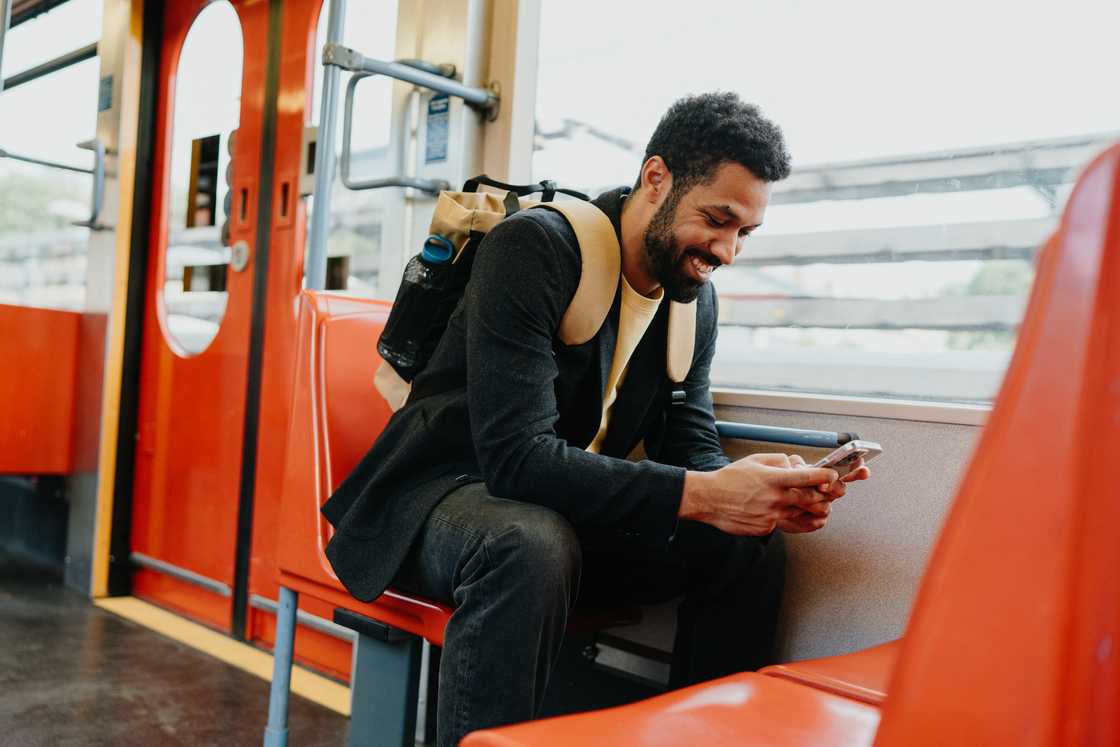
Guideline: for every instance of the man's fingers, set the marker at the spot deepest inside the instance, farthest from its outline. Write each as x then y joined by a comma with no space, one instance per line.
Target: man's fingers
795,460
802,524
820,508
771,460
808,477
857,474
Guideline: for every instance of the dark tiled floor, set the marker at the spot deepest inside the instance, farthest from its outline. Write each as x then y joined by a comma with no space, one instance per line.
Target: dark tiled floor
72,674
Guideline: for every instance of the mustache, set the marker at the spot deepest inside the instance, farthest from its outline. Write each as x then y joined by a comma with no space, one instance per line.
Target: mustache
704,256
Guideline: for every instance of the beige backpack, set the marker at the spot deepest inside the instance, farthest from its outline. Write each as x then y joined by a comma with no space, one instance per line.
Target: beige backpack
462,219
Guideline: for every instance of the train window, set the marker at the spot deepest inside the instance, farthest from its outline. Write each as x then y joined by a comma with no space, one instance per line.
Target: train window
62,29
205,115
354,241
933,146
42,252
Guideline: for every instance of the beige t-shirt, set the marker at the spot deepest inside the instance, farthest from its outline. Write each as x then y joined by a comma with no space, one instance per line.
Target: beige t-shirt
635,314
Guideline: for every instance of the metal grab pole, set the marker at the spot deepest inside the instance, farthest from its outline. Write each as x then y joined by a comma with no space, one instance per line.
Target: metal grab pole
482,99
324,156
61,62
276,730
43,162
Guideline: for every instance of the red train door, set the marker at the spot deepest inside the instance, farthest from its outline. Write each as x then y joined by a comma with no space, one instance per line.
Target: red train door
198,306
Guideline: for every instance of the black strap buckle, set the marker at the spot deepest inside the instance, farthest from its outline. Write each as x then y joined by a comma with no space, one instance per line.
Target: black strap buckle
678,396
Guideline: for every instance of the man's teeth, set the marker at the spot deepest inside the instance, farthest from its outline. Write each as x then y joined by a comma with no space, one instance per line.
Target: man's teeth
701,266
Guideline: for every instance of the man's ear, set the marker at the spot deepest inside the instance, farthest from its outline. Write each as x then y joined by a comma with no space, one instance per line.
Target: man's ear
656,179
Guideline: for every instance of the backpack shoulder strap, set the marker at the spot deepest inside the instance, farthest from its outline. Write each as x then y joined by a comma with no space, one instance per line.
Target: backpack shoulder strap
602,263
598,283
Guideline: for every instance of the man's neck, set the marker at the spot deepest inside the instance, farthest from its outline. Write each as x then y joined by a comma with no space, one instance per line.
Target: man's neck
633,223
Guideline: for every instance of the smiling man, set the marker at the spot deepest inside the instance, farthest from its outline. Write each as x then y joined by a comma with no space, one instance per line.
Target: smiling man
502,487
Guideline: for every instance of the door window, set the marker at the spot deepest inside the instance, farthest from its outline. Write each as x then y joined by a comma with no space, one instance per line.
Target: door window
206,113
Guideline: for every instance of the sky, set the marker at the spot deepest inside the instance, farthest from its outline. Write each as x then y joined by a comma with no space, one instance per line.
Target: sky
846,80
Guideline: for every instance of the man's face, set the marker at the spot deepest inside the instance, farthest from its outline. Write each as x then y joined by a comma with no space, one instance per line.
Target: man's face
693,233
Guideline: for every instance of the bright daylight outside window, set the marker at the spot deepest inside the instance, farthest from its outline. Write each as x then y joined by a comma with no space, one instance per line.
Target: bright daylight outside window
42,251
934,145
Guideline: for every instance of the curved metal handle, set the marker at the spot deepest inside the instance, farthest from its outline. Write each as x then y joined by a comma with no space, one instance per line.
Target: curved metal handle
98,196
428,186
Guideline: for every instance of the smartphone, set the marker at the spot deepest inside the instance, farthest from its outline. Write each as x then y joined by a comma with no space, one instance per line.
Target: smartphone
843,458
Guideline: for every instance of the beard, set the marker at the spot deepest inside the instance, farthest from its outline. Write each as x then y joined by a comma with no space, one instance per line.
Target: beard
665,258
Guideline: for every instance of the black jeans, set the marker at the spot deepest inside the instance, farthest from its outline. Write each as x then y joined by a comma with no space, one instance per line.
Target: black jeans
514,570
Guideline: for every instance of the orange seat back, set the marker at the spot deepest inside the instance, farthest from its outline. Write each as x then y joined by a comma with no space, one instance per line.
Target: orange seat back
1015,634
337,413
336,416
37,391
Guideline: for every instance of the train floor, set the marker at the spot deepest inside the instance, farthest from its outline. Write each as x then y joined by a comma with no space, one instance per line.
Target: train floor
73,674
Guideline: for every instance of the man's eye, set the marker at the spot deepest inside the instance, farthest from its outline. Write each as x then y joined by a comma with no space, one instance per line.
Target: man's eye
713,222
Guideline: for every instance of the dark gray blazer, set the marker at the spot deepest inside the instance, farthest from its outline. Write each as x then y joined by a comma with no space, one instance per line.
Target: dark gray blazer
505,402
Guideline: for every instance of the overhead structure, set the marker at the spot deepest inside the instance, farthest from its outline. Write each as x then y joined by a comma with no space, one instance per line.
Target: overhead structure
1041,164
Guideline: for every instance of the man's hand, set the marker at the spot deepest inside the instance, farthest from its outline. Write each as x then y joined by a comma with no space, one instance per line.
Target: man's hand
816,516
752,495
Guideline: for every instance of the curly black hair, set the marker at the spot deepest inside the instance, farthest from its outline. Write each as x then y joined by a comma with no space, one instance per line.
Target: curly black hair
700,133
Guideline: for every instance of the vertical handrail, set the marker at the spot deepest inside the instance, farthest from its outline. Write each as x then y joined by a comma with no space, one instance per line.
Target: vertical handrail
324,156
5,22
98,196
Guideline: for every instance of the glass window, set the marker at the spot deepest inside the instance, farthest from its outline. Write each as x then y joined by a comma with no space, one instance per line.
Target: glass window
354,238
42,252
64,28
933,146
206,112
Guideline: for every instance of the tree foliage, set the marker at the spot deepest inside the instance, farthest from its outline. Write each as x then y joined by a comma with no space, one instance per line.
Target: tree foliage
29,202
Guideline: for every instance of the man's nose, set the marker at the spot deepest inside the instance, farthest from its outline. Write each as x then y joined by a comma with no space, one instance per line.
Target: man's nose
723,248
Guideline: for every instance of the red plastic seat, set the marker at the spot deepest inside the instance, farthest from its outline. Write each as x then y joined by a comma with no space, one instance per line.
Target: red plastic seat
1015,634
861,676
743,709
336,415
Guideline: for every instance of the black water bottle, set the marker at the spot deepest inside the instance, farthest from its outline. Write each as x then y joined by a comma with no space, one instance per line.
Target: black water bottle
419,313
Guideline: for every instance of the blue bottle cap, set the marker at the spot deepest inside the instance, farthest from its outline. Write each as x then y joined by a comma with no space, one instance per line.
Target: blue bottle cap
437,249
